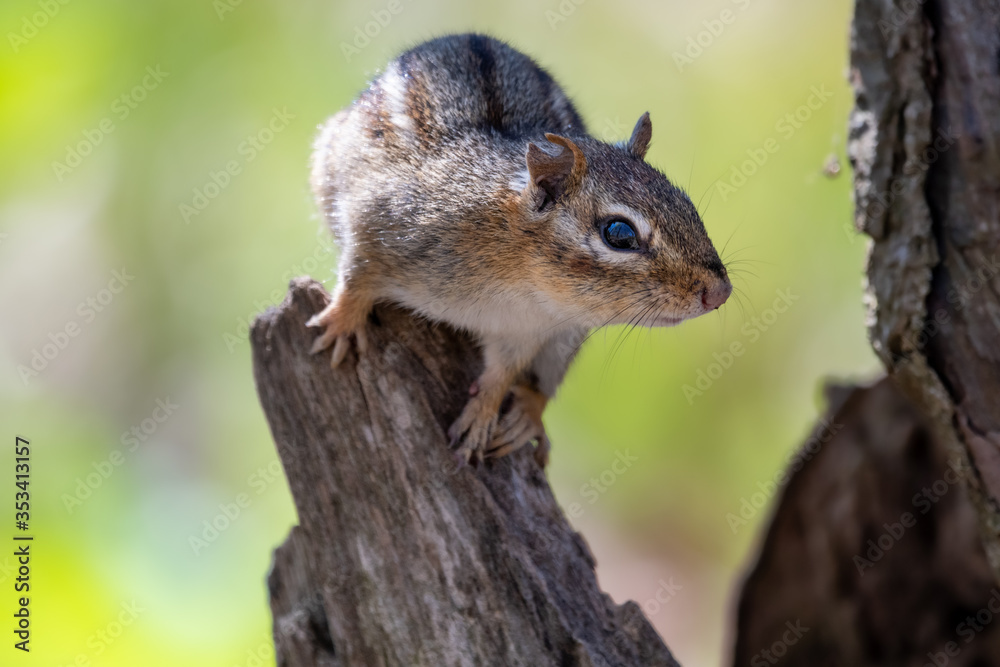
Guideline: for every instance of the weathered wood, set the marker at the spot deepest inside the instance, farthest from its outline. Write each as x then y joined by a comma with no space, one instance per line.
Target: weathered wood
398,558
925,145
873,556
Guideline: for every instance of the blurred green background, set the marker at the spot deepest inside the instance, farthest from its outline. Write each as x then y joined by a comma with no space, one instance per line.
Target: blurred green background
140,406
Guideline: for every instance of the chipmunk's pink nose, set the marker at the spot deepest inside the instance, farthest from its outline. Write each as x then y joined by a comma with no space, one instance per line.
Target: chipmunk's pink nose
713,297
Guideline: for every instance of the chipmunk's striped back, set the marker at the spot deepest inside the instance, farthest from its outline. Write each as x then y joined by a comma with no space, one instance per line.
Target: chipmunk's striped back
443,88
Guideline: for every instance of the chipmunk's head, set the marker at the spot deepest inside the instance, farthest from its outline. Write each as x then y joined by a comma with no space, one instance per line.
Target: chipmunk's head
620,240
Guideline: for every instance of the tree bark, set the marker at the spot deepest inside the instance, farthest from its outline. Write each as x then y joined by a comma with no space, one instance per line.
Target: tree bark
924,139
924,142
398,558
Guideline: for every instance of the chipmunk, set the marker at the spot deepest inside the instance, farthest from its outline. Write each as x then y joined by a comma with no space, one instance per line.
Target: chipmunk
463,185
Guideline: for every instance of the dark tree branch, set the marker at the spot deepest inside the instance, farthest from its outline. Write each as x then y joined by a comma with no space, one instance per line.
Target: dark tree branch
873,554
398,559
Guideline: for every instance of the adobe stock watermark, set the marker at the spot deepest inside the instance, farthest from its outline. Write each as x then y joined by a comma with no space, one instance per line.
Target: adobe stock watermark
6,570
105,637
121,108
130,441
924,502
229,513
612,130
262,655
33,23
786,128
87,311
563,11
665,592
901,14
713,28
968,630
749,507
597,486
306,266
752,332
364,34
223,7
248,150
778,650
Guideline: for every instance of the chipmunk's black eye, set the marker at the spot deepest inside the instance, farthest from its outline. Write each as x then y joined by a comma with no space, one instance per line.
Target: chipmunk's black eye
620,235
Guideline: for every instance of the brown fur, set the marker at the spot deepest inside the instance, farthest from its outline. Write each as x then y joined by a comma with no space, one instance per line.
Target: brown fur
462,184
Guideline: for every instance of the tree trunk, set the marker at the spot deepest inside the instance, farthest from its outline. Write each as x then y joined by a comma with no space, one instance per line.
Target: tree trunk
925,145
923,447
399,559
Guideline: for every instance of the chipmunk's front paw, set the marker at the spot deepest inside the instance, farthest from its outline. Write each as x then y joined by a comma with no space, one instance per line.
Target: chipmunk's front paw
337,331
521,424
473,431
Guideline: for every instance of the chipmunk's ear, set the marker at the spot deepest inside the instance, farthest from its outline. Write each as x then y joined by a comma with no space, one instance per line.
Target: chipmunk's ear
638,143
551,176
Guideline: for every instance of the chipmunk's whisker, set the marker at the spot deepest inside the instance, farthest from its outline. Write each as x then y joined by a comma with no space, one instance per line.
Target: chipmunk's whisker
624,334
608,321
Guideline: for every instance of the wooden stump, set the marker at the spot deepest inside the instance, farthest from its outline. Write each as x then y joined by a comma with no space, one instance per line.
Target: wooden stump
398,558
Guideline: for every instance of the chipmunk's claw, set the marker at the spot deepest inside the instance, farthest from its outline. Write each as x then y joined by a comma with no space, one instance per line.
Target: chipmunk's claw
323,341
542,450
459,459
520,425
471,432
345,317
341,340
340,349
